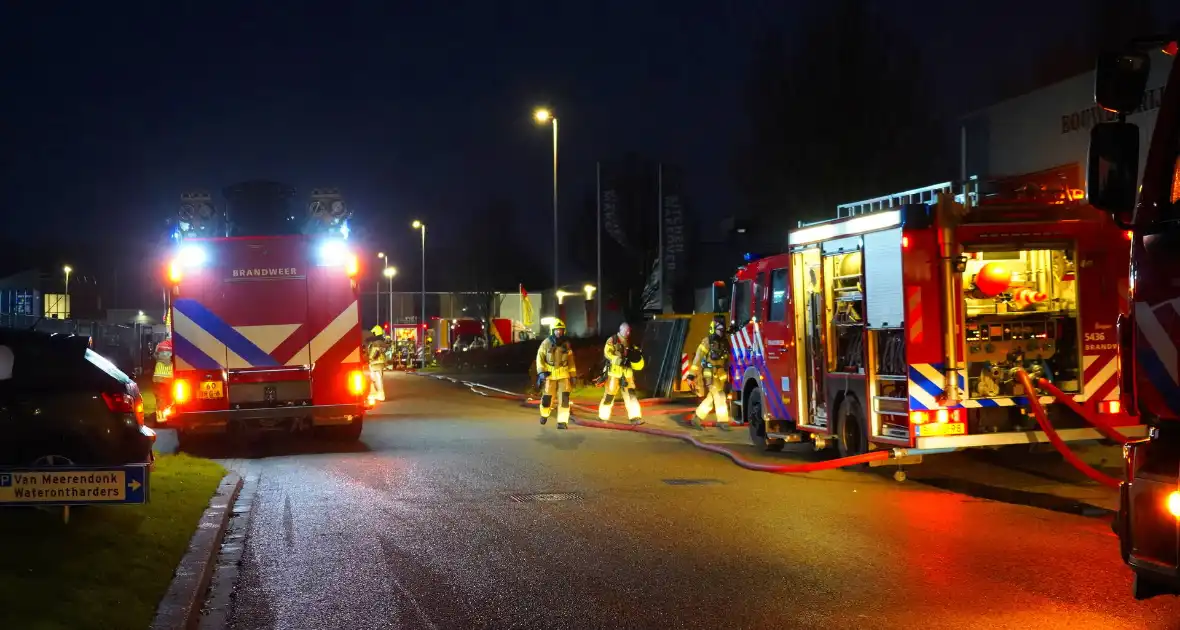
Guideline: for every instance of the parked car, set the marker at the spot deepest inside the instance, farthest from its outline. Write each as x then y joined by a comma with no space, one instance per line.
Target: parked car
63,403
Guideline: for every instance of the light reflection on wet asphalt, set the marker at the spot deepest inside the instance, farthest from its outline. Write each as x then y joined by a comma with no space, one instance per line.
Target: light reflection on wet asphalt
417,529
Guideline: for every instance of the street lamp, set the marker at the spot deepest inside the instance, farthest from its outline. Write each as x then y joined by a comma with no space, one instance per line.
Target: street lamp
542,116
420,226
68,269
380,255
390,272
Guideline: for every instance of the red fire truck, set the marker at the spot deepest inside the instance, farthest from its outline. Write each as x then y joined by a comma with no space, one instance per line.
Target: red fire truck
1148,522
267,336
898,322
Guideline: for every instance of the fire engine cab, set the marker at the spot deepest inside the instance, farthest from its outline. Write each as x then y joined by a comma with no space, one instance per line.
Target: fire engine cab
899,322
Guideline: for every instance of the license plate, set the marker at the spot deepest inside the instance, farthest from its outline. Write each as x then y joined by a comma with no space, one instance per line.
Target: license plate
941,428
212,389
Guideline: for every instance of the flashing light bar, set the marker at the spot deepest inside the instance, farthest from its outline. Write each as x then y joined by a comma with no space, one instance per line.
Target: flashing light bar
851,227
191,256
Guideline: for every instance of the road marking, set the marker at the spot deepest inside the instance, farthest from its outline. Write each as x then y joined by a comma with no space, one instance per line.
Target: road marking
546,497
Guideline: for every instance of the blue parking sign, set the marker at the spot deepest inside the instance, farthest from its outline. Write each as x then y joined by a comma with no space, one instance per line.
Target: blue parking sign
5,480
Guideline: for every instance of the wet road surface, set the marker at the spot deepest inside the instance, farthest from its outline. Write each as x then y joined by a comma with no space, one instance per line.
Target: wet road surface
431,523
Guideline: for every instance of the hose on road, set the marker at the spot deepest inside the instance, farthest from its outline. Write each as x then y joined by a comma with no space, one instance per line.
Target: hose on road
1039,414
1105,429
853,460
1054,439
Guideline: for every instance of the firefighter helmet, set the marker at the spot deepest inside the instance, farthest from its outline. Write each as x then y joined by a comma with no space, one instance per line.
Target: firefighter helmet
557,325
717,328
625,330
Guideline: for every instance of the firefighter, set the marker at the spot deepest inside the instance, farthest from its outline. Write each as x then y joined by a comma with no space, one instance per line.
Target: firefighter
622,362
711,364
162,375
376,354
555,365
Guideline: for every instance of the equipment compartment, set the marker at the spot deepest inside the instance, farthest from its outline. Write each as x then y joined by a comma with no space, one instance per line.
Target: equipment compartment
1020,309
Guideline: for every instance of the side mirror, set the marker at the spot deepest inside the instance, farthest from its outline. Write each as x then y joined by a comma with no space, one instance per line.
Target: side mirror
1113,167
720,299
1121,80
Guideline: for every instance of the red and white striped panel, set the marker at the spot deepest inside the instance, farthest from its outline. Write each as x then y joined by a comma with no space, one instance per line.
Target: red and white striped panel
685,366
337,342
1100,372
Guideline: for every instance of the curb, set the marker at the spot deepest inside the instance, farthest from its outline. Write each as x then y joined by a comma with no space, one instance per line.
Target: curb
181,604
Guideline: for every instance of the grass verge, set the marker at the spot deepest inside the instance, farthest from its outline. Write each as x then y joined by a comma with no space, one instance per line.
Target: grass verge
592,392
109,567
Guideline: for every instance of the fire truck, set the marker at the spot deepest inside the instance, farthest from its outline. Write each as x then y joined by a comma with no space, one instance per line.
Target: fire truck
899,322
1148,521
266,330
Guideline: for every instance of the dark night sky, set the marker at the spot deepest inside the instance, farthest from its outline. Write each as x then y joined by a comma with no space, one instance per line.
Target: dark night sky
412,112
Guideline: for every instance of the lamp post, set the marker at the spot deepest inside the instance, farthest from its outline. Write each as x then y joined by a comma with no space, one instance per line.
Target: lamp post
543,116
381,255
390,272
68,269
420,226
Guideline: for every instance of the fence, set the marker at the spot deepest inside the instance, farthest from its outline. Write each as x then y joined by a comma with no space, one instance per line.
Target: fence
128,346
663,342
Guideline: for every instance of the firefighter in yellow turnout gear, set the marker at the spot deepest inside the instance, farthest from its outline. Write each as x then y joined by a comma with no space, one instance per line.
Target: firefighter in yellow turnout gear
710,376
622,362
555,364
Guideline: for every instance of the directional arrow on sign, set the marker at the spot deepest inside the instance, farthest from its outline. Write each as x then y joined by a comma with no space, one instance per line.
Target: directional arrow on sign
134,485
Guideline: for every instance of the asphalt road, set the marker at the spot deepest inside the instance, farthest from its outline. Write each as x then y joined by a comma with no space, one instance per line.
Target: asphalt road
419,528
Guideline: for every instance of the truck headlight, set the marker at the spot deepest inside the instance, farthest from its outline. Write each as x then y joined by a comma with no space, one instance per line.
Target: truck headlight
1173,503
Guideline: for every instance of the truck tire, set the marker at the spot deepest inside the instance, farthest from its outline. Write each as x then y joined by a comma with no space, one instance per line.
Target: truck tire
345,433
752,411
186,442
1145,586
852,430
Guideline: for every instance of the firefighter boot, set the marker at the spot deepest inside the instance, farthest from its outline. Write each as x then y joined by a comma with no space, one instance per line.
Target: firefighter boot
604,407
563,411
702,411
631,402
546,401
721,407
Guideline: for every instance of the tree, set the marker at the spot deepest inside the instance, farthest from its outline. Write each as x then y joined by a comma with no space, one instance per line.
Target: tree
835,118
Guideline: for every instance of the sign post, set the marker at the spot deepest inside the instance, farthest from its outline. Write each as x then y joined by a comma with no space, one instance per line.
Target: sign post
66,486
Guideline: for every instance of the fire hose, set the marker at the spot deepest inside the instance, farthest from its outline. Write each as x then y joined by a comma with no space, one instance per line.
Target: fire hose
1042,419
1038,410
852,460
